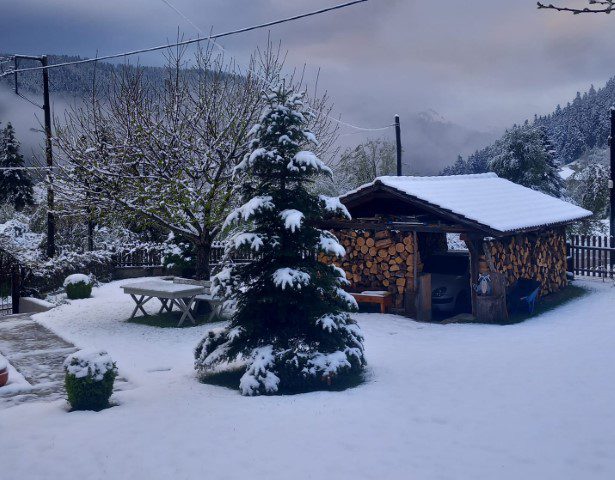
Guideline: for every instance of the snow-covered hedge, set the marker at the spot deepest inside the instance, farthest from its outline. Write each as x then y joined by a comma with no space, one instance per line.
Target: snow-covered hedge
50,275
76,278
89,379
78,285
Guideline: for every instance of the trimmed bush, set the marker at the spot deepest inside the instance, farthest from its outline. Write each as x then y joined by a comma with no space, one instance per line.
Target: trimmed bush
89,379
78,286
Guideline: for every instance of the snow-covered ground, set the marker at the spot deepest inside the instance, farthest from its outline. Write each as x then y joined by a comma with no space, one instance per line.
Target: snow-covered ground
533,401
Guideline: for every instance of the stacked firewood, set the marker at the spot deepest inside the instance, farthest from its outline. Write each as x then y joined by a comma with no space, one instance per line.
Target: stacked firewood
541,258
377,260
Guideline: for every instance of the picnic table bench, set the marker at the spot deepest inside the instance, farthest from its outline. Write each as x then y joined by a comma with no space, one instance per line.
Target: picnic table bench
216,303
169,294
384,299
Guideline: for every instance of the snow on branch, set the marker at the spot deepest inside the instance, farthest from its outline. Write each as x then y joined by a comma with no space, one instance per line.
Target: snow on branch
249,209
289,277
334,206
329,244
253,240
306,161
259,374
292,219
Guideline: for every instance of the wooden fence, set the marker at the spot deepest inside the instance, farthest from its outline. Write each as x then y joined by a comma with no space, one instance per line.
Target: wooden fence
592,255
138,258
216,256
154,257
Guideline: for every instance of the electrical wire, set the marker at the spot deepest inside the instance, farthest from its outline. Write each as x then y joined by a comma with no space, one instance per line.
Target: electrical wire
340,122
28,100
188,42
26,168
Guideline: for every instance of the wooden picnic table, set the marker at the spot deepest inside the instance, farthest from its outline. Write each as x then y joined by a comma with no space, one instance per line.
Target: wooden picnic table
168,293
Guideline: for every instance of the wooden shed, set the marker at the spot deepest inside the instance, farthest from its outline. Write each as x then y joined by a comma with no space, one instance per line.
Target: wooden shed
399,222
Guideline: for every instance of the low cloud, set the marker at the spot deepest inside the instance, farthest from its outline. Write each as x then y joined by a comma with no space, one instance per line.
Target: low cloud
482,64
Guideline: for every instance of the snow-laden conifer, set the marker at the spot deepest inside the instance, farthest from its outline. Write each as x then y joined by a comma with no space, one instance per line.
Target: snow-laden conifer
290,330
15,182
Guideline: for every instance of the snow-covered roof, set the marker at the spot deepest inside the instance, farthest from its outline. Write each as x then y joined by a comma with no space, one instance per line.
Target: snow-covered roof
486,199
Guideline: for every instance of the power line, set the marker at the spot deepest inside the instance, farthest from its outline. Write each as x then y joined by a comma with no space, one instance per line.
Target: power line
28,100
26,168
189,42
198,29
172,7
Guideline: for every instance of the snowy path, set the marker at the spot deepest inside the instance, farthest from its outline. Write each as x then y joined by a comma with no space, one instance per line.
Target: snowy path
38,356
533,400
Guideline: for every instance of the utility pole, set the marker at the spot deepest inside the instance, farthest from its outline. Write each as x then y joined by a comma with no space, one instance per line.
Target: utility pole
612,187
51,221
51,224
398,142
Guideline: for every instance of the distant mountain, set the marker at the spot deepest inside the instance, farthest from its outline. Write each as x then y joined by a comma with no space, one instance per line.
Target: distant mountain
430,141
578,131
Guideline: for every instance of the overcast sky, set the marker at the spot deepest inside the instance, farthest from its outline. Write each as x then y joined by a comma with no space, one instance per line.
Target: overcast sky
483,64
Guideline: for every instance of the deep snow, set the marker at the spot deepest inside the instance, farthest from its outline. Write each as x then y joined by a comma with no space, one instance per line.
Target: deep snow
533,401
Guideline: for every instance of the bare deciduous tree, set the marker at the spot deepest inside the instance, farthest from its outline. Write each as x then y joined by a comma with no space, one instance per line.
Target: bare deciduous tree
365,162
165,154
597,6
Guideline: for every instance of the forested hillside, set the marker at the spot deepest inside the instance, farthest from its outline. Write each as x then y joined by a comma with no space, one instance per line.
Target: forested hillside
77,80
532,154
577,129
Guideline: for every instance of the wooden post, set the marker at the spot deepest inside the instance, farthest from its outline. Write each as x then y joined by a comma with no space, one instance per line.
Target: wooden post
475,248
15,288
423,298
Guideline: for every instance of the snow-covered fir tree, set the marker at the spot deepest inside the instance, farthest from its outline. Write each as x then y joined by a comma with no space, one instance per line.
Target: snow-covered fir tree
589,188
15,184
526,157
290,330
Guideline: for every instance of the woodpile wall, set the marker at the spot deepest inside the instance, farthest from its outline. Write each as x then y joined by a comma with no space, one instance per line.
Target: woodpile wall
539,257
385,259
377,260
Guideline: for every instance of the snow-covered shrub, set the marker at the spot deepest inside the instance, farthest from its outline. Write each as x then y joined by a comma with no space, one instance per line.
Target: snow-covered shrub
179,256
78,286
290,330
89,379
49,275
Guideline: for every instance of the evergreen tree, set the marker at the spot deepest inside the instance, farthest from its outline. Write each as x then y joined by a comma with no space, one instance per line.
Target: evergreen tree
526,157
290,330
589,188
15,185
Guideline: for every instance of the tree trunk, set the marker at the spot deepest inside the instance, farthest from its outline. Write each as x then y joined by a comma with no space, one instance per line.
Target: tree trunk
203,249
